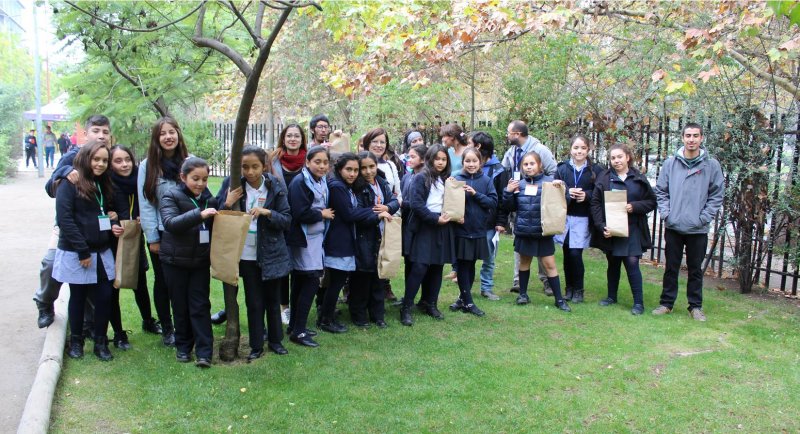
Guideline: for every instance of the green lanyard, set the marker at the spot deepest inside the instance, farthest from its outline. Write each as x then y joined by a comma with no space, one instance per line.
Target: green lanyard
198,206
100,198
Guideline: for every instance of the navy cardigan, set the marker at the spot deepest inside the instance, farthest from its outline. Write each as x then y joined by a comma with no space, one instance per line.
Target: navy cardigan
300,201
479,208
77,218
340,240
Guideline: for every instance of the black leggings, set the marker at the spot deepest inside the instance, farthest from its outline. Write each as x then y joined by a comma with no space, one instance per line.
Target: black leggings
336,281
429,277
142,298
304,286
366,293
573,266
160,293
465,271
634,276
284,283
100,295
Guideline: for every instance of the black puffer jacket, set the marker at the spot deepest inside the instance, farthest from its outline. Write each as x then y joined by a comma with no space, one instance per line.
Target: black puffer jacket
528,207
640,196
180,242
368,233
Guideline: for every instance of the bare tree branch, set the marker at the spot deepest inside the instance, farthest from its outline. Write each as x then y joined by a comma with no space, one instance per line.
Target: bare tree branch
256,39
219,46
781,82
158,104
299,4
259,19
271,6
128,29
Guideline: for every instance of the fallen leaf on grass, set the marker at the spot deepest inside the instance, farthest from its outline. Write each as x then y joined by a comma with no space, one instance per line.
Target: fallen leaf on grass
244,417
243,390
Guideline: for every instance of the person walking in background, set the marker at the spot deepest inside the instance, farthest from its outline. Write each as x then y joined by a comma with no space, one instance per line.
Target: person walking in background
49,147
690,191
30,148
63,144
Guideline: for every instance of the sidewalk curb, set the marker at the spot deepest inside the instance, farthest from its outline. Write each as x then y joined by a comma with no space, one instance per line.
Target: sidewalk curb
36,416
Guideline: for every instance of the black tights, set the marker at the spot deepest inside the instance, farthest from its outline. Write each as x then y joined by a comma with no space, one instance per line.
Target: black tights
100,295
337,279
634,276
429,276
142,298
304,286
573,266
465,271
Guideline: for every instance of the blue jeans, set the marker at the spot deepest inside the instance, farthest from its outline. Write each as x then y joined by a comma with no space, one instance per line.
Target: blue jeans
487,269
49,155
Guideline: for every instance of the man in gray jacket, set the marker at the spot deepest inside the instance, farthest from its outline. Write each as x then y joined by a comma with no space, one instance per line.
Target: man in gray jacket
520,144
690,191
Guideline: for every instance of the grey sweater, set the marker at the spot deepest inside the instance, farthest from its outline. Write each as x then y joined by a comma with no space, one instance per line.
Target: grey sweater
689,197
531,144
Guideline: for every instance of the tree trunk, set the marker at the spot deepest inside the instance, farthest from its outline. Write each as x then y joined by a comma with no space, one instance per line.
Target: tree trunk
229,347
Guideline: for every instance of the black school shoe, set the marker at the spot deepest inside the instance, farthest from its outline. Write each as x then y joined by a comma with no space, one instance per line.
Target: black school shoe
101,349
432,311
75,350
608,301
46,314
562,305
183,357
457,305
523,299
332,326
277,348
219,317
381,324
203,362
168,337
471,308
121,341
303,339
255,354
151,326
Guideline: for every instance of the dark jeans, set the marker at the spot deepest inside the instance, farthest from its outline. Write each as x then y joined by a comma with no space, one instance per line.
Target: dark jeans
261,297
284,291
573,266
337,279
695,245
429,277
465,271
189,293
634,276
304,286
49,156
100,295
160,292
30,155
366,293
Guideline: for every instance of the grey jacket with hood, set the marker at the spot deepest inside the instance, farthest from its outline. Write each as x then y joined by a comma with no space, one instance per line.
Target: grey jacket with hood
690,193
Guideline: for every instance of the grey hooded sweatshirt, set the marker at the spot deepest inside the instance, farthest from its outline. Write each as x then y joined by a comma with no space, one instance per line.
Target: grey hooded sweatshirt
690,192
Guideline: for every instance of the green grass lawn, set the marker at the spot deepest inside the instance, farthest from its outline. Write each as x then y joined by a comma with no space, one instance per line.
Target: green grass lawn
519,368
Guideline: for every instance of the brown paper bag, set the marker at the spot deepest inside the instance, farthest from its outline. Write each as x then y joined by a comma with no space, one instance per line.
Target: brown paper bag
390,255
554,208
128,253
227,242
454,199
616,215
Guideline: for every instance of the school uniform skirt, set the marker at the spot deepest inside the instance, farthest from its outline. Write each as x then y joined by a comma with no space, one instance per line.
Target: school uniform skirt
433,245
534,246
630,246
472,249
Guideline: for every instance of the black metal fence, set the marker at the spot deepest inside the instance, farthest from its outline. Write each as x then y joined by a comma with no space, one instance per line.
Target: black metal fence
655,141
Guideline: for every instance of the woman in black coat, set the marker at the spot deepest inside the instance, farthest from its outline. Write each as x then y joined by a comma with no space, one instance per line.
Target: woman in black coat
619,250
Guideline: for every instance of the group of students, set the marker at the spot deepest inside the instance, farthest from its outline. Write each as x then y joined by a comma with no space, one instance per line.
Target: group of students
314,215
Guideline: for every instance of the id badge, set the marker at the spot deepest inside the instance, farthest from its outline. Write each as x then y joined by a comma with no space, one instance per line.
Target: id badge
204,236
531,190
104,222
517,176
251,238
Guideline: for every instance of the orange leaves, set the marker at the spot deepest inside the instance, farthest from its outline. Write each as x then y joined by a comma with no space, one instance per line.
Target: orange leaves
692,37
707,75
658,75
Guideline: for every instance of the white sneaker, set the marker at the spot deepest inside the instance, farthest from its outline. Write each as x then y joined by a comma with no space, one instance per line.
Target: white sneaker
285,316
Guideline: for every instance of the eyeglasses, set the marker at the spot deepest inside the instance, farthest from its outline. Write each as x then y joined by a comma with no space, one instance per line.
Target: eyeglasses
322,127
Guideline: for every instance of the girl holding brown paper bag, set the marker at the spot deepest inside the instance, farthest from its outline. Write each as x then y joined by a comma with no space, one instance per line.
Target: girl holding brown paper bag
123,175
366,292
524,197
432,242
641,200
471,243
265,257
187,211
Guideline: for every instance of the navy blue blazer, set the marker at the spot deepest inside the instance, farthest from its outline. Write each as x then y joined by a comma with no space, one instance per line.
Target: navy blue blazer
479,208
340,240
